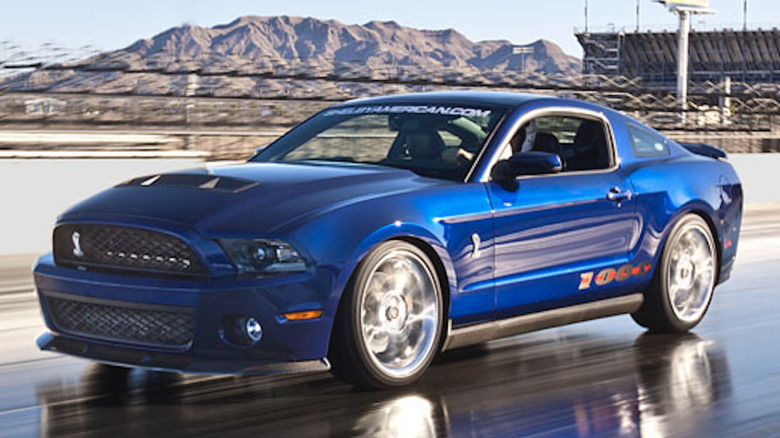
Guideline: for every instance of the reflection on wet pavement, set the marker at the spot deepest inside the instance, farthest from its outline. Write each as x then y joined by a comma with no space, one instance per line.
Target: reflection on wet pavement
574,386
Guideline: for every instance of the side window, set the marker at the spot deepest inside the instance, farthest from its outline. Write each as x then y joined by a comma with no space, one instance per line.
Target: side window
647,144
581,143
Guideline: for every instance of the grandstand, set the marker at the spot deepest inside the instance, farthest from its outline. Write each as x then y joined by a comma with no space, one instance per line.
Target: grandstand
749,56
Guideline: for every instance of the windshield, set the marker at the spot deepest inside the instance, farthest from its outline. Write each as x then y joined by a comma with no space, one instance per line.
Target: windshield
430,140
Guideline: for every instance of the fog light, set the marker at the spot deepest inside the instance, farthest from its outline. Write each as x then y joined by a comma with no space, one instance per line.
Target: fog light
240,330
254,330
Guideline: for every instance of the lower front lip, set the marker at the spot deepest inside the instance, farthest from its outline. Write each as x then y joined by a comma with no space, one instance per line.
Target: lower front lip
291,310
158,361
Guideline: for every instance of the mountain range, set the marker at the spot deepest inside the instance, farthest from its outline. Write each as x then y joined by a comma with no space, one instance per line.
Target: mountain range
292,45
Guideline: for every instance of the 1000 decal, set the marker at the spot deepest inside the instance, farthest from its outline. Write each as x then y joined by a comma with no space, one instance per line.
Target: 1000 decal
607,276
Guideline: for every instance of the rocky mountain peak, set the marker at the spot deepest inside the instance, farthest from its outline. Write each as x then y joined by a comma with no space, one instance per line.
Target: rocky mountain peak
306,45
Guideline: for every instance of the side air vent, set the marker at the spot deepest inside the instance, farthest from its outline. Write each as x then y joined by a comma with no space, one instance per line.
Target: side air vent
194,181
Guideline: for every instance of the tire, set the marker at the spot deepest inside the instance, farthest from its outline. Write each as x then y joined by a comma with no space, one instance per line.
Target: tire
683,285
389,324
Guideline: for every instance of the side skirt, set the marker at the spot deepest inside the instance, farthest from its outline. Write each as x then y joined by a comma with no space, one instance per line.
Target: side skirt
476,334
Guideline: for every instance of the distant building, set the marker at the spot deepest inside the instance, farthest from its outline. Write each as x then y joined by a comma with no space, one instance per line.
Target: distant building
751,56
44,106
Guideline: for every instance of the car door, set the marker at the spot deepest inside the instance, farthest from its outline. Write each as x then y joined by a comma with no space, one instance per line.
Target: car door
562,238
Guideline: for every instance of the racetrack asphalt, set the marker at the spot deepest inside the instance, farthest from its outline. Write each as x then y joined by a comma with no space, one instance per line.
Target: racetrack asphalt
600,378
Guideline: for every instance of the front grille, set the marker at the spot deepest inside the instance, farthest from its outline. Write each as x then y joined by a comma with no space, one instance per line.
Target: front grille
124,248
141,326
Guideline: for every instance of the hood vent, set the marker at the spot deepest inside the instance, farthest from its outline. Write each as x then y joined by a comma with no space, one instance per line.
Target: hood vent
195,181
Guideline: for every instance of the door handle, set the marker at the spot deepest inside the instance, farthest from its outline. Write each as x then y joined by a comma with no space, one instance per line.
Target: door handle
617,195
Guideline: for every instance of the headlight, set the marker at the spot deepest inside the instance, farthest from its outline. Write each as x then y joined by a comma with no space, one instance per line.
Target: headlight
263,256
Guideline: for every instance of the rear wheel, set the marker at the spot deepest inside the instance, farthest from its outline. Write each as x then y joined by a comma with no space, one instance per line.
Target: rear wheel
682,289
389,324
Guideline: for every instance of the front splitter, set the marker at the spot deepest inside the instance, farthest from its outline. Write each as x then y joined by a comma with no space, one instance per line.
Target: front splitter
159,361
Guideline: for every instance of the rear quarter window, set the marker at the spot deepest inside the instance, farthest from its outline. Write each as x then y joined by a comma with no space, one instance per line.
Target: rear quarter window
647,144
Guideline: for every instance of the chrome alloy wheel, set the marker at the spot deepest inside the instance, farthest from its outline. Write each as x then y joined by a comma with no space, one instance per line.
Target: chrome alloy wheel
691,273
399,314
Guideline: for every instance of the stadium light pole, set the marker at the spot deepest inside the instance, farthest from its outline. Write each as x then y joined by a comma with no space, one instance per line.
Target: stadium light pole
637,15
522,51
684,9
586,16
683,40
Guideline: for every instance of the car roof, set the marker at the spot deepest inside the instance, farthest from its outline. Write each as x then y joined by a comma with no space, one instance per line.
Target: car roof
476,98
502,99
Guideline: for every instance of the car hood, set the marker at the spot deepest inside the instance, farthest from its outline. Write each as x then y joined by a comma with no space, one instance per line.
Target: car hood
245,199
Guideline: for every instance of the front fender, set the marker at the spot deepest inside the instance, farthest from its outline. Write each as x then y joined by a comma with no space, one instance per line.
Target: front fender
443,219
406,231
397,230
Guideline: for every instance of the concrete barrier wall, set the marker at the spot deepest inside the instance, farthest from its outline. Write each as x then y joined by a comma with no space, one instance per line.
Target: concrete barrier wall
34,192
760,176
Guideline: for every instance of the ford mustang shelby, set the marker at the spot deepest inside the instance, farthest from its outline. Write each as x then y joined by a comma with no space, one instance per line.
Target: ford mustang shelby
382,231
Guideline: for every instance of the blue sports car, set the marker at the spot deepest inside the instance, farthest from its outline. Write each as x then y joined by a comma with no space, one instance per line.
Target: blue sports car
382,231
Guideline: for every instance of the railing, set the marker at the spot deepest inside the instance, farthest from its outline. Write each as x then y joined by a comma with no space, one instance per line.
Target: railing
22,102
195,100
696,26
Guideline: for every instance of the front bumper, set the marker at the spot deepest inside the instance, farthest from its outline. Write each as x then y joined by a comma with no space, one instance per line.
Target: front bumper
159,361
286,346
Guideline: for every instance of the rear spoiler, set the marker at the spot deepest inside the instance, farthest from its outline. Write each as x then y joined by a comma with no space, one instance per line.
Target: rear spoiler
705,150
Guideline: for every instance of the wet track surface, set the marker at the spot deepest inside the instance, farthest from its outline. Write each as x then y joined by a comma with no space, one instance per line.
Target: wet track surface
601,378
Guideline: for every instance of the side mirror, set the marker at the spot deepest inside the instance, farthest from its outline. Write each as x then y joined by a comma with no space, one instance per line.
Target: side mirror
260,148
505,172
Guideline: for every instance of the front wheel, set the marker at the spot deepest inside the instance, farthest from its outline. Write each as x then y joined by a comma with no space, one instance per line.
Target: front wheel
682,288
389,325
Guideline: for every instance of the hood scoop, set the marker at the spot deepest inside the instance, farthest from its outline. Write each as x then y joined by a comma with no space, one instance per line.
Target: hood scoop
194,181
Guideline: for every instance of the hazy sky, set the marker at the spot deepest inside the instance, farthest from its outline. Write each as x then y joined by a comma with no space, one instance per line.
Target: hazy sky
113,24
